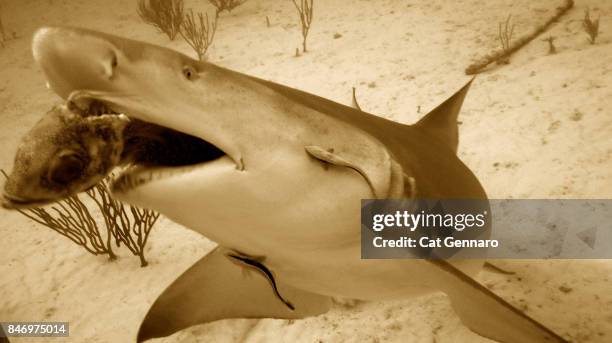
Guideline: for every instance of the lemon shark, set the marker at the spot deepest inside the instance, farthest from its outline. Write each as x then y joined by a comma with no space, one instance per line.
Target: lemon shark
280,190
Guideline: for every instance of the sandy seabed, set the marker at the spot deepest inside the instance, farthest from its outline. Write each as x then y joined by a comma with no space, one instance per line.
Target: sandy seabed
539,127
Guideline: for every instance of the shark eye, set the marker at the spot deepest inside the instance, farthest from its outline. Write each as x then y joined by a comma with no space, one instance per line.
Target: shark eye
67,167
189,72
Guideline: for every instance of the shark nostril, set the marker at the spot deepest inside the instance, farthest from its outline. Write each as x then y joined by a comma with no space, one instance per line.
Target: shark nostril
109,65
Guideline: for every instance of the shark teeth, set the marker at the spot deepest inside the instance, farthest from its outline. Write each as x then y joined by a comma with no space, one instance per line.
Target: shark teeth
86,105
126,182
136,175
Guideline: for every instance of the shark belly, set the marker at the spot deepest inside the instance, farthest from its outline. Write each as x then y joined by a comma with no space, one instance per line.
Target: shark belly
310,237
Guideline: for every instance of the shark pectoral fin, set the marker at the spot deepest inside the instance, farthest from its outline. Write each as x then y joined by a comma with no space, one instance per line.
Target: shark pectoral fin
376,173
489,315
216,288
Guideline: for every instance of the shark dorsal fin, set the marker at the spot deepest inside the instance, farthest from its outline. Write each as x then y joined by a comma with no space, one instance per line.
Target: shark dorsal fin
441,122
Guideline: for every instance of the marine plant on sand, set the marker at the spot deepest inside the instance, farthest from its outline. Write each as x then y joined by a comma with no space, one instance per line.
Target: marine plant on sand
504,33
75,217
226,5
510,46
199,34
165,15
305,12
551,45
591,27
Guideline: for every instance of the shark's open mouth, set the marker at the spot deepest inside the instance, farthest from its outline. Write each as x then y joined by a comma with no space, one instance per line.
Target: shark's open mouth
151,152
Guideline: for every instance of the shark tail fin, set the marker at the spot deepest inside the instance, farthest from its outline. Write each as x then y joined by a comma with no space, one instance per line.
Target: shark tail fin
489,315
441,122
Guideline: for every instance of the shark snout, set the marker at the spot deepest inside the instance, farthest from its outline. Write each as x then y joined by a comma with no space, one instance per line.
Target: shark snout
72,60
42,43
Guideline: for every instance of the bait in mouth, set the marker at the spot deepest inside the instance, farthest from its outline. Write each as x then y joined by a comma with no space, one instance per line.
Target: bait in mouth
70,150
63,154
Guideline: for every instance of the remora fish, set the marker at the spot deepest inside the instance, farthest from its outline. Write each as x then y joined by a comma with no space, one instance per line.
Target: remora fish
286,187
